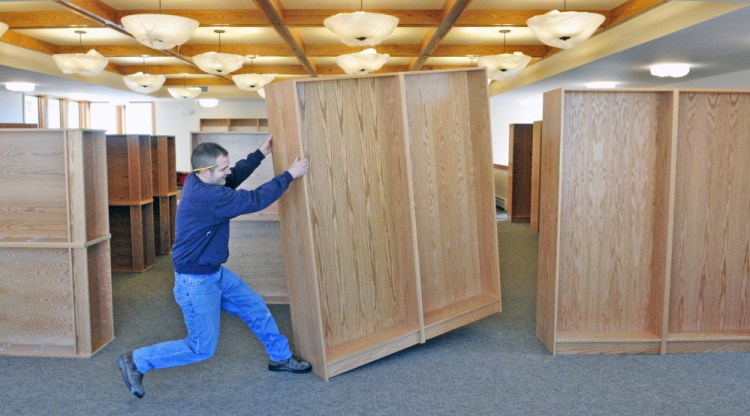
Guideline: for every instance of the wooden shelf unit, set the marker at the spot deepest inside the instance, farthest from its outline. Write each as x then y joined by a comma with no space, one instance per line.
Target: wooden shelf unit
247,125
56,288
631,258
164,185
391,238
131,202
518,203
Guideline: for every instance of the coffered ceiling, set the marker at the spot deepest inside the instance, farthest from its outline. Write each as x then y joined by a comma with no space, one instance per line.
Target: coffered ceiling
288,36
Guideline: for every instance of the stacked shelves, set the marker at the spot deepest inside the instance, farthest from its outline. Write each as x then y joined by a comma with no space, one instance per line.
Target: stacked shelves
164,185
55,290
518,203
644,231
131,211
391,238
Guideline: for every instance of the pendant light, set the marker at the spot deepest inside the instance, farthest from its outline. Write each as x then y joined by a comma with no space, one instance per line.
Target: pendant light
252,82
361,28
184,92
505,65
564,30
143,82
362,62
89,63
159,31
218,63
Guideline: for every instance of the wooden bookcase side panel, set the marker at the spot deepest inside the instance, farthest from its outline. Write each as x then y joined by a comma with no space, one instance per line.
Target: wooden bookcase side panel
453,191
519,172
163,165
239,145
36,301
710,275
132,243
281,104
33,186
536,155
95,192
99,296
129,169
370,287
165,211
549,199
607,197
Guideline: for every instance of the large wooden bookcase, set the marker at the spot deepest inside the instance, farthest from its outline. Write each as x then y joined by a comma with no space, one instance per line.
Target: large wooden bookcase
536,161
644,226
391,238
131,202
164,185
518,201
253,266
55,286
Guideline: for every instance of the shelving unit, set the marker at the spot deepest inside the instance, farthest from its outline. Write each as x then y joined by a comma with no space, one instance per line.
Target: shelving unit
164,184
131,202
390,239
630,258
55,290
247,125
519,172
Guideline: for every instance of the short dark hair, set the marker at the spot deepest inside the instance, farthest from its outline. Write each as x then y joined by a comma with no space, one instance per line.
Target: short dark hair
205,154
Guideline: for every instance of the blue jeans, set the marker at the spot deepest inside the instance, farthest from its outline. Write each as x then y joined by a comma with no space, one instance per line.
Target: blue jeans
202,297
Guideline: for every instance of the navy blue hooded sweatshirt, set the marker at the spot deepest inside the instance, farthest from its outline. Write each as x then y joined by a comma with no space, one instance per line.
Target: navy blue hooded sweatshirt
202,225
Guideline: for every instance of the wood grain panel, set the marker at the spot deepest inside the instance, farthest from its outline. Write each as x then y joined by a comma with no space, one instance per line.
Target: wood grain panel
129,169
256,255
295,225
36,298
607,196
447,179
549,198
519,172
132,243
33,186
165,211
239,145
99,296
536,157
94,171
163,165
351,130
710,284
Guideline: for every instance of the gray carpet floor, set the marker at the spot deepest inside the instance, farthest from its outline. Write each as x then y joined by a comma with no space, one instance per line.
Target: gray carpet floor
492,367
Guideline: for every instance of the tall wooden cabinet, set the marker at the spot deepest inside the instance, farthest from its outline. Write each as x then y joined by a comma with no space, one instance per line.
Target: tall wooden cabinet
55,286
164,186
391,238
644,227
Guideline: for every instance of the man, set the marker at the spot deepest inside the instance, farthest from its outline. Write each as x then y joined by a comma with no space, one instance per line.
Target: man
203,287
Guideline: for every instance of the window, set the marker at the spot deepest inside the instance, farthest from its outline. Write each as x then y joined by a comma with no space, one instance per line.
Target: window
74,119
53,113
31,109
103,117
139,118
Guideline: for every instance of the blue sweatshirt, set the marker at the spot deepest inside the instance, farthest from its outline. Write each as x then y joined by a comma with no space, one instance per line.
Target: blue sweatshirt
202,225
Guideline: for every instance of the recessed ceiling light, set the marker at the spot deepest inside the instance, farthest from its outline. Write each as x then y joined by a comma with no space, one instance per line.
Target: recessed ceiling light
674,70
601,84
208,102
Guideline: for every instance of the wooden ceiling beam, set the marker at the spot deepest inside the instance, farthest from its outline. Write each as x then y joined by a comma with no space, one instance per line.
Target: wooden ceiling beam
183,69
214,17
508,17
452,10
406,17
275,13
45,20
632,8
22,41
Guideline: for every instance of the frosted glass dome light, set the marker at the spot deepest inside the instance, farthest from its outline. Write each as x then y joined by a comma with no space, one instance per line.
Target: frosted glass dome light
159,31
144,83
362,62
564,30
361,28
252,82
504,66
89,63
184,92
218,63
669,70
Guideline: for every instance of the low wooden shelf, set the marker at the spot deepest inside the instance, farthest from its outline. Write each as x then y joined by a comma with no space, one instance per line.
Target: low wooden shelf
132,237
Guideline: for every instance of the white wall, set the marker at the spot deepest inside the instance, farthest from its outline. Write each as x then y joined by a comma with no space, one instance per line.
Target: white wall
507,110
180,118
11,107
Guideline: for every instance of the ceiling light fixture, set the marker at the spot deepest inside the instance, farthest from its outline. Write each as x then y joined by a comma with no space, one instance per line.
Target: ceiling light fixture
159,31
143,82
208,102
3,28
362,62
184,92
361,28
674,70
90,63
252,81
564,30
20,86
506,65
218,63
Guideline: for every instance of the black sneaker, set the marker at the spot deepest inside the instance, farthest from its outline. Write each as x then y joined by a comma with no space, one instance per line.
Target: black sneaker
130,374
291,364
